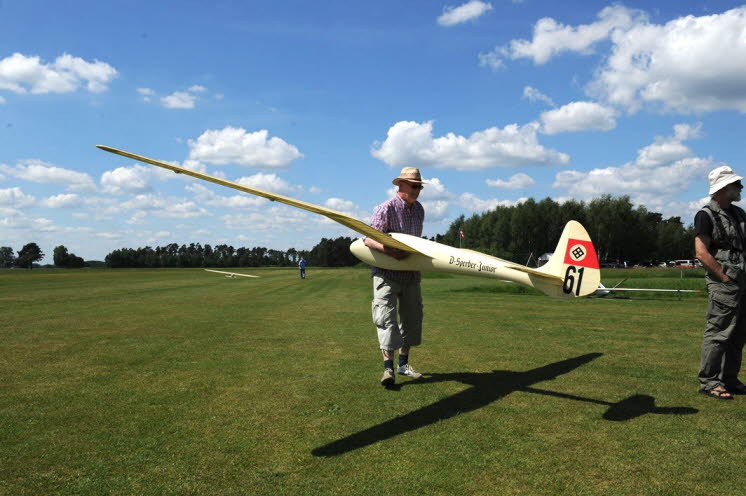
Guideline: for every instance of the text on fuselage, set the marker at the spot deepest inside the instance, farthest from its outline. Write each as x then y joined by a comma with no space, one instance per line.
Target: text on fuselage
468,264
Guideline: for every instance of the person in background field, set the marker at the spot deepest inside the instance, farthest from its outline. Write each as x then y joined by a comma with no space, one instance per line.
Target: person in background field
719,244
401,214
302,266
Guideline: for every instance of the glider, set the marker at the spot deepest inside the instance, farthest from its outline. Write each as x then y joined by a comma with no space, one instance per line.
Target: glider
574,274
232,275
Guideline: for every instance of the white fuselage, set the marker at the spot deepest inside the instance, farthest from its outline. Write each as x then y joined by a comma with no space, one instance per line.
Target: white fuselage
437,257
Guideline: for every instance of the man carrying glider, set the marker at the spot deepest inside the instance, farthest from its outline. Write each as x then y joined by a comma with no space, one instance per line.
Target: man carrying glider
401,214
719,244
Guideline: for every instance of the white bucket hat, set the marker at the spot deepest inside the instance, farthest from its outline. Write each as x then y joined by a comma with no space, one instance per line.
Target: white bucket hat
721,177
409,174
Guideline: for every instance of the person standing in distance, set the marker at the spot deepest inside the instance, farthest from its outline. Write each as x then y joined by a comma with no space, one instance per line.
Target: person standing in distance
302,266
719,244
392,288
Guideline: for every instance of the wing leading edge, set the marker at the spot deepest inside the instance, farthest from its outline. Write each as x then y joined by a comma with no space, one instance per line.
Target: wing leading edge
345,220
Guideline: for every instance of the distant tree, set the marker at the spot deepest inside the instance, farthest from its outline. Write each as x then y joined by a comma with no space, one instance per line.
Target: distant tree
60,256
29,254
67,260
6,257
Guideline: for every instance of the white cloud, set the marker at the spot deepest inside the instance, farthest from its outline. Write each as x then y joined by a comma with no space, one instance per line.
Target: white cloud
41,172
212,199
340,205
131,179
236,145
435,210
435,190
683,132
315,190
146,93
346,207
661,152
688,64
516,181
661,170
42,224
163,207
473,203
412,143
137,218
22,74
9,212
14,197
465,12
2,100
551,37
578,116
269,220
18,220
109,235
179,100
534,95
182,210
62,201
267,182
145,202
666,150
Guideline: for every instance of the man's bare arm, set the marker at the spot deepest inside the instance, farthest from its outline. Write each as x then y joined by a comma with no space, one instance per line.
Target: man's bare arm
702,252
392,252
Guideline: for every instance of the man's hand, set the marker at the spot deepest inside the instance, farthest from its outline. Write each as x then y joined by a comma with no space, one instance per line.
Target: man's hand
395,253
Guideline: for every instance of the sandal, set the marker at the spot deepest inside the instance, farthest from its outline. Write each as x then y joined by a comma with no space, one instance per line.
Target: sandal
736,388
718,392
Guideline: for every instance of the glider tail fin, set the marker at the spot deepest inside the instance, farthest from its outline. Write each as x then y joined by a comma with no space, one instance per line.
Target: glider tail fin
575,262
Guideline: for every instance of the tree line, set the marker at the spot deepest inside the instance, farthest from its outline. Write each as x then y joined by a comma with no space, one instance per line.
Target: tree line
529,229
31,253
619,231
327,253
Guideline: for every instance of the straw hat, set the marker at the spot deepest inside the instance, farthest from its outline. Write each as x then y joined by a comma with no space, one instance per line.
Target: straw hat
409,174
721,177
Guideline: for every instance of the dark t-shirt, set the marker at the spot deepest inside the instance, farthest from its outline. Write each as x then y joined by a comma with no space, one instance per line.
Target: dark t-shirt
703,222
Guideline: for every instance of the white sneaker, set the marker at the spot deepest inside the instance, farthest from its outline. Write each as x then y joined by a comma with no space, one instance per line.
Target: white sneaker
388,378
409,371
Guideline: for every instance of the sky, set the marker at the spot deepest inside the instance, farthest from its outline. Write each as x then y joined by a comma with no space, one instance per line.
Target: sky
495,101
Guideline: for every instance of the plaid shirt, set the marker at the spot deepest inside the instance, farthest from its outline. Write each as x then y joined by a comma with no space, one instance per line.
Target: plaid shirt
395,215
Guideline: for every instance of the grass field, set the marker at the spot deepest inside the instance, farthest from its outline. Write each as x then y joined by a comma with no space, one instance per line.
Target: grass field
185,382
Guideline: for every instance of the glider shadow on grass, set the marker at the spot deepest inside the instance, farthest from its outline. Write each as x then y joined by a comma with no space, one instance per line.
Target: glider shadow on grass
488,387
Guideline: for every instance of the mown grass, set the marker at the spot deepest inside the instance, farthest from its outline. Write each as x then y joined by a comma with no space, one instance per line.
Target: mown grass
184,382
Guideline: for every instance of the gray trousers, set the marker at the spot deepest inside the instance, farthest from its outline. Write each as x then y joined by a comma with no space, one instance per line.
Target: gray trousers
392,335
724,336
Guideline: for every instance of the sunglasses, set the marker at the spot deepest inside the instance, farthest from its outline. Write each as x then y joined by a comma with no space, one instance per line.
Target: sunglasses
416,185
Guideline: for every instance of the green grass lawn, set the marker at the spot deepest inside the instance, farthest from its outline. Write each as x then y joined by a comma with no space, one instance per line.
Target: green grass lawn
184,382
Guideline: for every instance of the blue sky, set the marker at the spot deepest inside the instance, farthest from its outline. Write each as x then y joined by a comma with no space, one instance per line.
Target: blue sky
494,101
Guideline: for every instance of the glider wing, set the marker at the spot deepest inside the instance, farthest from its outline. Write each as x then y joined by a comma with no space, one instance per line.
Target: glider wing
230,274
345,220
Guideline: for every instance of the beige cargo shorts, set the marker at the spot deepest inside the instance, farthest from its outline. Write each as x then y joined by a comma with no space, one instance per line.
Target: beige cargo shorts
387,295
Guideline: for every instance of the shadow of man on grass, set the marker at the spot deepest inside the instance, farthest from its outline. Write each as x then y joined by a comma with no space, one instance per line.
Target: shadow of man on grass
485,388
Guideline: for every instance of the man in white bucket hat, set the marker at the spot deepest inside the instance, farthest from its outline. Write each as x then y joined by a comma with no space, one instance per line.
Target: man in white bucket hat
719,244
401,214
